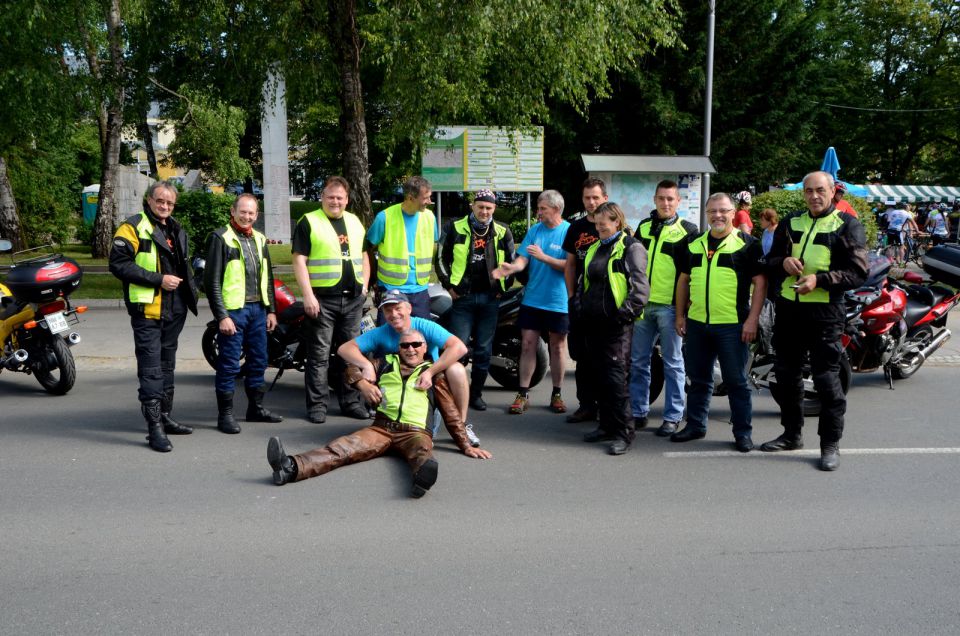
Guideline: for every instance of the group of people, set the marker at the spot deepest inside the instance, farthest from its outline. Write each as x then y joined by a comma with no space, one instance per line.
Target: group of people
903,226
592,286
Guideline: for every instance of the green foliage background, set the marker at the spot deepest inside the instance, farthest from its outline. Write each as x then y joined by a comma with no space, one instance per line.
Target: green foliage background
200,213
787,201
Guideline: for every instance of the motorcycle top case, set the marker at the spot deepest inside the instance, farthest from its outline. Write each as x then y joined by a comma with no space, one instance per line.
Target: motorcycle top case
943,264
44,280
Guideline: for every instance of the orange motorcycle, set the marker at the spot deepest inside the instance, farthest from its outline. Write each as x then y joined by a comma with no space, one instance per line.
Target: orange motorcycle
36,318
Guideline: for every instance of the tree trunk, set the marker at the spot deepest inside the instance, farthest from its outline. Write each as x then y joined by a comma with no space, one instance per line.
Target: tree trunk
10,227
147,137
345,41
105,223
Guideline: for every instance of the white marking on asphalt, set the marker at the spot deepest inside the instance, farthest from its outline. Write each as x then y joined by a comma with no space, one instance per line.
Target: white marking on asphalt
816,453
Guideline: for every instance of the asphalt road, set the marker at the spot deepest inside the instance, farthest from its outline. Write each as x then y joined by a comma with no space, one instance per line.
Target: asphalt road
101,535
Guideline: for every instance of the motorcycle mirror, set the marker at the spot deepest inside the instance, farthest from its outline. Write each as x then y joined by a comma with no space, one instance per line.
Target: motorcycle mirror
5,245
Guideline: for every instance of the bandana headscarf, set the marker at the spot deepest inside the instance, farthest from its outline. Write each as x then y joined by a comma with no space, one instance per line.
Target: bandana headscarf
243,231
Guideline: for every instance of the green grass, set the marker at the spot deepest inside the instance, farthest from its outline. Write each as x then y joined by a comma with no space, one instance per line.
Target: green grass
98,286
279,254
106,287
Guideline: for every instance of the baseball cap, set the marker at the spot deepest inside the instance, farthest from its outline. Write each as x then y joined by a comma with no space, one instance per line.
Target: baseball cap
392,297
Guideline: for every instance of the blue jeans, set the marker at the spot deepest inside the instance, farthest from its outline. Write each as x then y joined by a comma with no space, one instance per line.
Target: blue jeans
657,319
476,315
705,344
249,340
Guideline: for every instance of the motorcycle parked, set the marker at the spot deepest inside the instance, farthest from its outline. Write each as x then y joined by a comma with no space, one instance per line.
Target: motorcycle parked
285,345
35,316
505,357
285,348
903,324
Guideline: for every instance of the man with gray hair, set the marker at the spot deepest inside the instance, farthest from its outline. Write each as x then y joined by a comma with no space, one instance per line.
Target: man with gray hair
544,305
150,256
817,255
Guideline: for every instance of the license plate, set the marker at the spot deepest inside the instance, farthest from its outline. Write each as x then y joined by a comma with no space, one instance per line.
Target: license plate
57,322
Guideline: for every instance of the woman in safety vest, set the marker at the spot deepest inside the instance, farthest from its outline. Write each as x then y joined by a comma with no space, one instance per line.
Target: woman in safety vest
612,294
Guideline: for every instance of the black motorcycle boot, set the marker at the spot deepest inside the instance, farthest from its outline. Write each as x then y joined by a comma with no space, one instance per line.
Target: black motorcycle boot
156,438
829,455
225,421
283,465
255,410
477,380
170,425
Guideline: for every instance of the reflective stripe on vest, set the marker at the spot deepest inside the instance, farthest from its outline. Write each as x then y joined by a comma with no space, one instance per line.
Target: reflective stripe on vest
402,402
713,285
811,245
325,262
617,280
234,284
147,259
463,249
661,268
393,258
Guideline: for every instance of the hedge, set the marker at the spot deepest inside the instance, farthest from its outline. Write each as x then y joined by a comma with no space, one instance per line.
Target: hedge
787,201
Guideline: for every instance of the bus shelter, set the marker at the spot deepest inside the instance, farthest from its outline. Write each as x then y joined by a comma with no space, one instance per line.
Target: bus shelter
632,180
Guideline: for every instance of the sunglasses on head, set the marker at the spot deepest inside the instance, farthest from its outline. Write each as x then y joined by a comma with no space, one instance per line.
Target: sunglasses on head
412,345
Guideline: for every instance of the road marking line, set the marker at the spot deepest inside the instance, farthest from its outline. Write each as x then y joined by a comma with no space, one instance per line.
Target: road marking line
816,453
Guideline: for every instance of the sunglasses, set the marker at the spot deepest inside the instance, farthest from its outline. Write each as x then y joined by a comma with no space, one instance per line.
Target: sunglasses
412,345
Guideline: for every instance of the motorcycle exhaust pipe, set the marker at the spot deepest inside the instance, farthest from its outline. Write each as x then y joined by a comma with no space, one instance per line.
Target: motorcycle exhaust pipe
935,344
73,338
17,358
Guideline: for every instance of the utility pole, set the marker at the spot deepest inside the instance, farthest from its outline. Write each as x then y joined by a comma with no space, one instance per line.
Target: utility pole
708,111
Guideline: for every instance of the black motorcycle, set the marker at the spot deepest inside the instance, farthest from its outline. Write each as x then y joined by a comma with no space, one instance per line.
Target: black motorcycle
505,358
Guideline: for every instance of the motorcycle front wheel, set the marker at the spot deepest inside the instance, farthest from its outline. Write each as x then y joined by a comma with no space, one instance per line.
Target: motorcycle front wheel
211,349
57,371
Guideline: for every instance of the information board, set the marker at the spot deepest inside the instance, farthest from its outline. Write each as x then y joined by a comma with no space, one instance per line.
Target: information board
633,192
466,158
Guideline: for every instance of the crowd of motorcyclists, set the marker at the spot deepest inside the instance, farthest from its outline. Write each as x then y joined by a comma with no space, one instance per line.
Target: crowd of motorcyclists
594,286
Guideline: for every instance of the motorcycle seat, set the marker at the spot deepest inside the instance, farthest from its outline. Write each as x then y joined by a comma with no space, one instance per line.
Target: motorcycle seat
940,294
915,310
291,313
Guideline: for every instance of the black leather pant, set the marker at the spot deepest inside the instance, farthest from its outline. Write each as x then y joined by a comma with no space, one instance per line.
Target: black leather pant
814,329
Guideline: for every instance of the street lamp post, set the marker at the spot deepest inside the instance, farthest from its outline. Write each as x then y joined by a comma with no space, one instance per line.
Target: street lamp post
707,111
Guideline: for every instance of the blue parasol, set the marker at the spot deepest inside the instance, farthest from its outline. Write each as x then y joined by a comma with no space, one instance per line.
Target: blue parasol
830,162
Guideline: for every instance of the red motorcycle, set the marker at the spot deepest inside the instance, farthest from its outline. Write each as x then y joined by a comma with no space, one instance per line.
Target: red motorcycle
902,324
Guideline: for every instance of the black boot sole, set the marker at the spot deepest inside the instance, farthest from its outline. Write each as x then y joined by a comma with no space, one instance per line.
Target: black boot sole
424,478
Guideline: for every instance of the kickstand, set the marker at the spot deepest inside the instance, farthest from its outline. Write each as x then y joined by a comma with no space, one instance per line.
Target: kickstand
280,372
888,376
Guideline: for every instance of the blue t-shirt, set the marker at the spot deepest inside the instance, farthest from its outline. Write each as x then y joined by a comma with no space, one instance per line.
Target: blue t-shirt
385,339
375,237
546,288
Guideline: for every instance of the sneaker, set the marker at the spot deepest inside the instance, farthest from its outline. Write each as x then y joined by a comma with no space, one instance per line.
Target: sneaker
557,405
474,440
519,405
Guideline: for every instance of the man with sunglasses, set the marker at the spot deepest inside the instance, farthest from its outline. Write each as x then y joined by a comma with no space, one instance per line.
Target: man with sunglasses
377,343
404,394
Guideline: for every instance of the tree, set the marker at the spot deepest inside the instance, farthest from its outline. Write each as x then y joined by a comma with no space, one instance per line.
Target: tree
32,106
900,63
767,60
517,57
